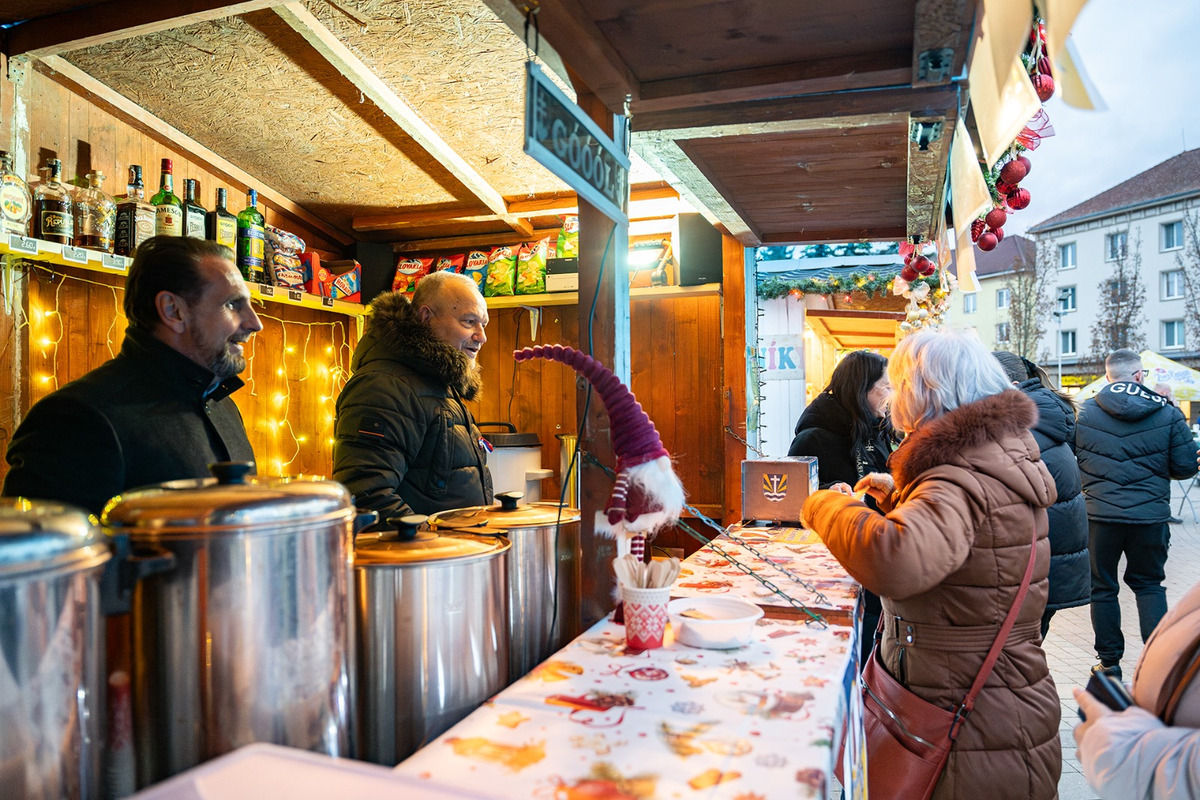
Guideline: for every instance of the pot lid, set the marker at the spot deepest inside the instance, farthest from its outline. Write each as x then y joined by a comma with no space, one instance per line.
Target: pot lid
505,515
376,549
231,500
40,535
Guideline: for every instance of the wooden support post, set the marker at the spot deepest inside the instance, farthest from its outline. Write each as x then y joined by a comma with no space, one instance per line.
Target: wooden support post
734,257
604,332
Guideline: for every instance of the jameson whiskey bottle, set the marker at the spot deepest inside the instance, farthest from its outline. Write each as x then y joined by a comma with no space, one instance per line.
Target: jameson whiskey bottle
95,215
168,208
251,241
222,226
16,203
135,217
52,218
193,212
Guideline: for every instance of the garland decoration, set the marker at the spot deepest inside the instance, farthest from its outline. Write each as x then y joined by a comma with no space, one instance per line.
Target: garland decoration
873,283
926,283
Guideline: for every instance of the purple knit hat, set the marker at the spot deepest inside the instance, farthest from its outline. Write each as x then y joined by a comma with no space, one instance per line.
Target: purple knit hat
634,437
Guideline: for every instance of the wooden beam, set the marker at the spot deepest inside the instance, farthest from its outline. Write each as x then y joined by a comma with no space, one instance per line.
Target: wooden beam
927,177
474,240
402,220
568,203
399,111
844,233
115,20
942,26
75,79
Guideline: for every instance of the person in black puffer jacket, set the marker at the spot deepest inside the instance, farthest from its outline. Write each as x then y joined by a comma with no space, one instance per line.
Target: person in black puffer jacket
1070,573
1131,442
847,428
405,441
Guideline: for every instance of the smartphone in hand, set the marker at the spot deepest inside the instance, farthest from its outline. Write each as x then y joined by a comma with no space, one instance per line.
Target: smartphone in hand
1108,690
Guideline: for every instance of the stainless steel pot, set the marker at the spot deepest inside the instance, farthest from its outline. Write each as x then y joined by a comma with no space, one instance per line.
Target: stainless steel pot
248,638
544,576
431,613
51,651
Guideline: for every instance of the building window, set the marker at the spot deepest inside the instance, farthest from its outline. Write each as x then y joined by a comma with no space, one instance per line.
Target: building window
1172,334
1003,297
1066,256
1066,298
1172,235
970,303
1172,284
1116,245
1066,343
1001,333
1117,289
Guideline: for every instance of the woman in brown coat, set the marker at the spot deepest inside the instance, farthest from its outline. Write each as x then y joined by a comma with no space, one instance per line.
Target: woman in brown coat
947,552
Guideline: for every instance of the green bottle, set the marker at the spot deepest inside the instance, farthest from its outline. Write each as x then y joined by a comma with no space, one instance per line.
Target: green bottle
251,241
168,208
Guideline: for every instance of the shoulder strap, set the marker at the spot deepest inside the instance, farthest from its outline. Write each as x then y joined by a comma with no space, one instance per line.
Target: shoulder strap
994,653
1177,682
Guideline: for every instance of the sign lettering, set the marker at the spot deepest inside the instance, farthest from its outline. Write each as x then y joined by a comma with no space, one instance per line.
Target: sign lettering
781,358
76,255
22,244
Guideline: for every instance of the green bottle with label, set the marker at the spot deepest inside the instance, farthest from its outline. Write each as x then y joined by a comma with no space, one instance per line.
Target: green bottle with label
168,208
251,241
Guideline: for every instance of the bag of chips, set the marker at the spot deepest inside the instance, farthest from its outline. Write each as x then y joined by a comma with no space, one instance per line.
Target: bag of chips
409,270
476,266
501,272
452,263
568,237
531,267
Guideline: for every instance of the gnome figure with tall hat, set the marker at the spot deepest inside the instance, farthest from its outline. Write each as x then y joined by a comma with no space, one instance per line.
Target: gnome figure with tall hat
647,494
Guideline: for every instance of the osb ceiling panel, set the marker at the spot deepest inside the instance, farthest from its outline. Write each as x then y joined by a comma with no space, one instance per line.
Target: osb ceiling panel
251,89
460,68
663,39
812,185
17,10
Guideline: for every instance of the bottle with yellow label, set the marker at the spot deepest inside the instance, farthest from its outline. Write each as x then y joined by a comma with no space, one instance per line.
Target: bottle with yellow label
251,241
221,226
16,203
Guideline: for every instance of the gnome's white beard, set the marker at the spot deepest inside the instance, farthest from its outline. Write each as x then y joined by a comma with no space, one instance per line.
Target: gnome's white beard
654,500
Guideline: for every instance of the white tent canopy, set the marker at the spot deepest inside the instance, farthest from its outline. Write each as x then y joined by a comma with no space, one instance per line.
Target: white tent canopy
1184,381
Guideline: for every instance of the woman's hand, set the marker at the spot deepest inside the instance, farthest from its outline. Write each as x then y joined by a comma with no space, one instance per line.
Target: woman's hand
1092,709
879,485
844,488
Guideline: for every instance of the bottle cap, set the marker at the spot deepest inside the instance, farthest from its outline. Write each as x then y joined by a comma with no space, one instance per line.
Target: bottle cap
167,165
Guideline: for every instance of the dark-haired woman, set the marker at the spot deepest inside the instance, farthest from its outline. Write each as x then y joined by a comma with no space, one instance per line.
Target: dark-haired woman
846,427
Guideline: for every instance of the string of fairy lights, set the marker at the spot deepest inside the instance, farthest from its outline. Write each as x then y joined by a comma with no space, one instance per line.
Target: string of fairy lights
291,409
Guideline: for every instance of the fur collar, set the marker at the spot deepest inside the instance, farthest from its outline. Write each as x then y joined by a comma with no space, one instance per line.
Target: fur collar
394,332
944,439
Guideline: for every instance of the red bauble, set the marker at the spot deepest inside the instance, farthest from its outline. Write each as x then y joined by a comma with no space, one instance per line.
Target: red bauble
999,234
988,241
1044,86
1026,163
1012,172
1018,199
1003,188
996,218
976,229
908,273
1043,66
925,266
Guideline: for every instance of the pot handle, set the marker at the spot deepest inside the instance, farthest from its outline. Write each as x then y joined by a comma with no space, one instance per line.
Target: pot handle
364,519
511,428
125,569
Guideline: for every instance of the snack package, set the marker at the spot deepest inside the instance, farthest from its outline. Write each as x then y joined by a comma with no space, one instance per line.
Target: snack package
531,267
501,272
409,270
285,270
341,280
284,241
476,265
452,263
310,262
568,238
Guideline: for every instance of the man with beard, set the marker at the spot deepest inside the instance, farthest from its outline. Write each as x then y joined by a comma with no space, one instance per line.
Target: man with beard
161,410
406,442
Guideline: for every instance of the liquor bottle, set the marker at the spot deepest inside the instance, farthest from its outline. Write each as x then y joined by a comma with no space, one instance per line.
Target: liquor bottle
193,212
95,215
251,241
16,203
168,208
52,219
135,217
221,225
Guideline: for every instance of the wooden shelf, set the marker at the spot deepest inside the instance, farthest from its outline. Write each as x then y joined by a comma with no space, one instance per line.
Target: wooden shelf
572,298
66,256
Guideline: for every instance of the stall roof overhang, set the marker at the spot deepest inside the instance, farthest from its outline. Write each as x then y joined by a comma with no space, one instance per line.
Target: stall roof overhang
783,121
856,330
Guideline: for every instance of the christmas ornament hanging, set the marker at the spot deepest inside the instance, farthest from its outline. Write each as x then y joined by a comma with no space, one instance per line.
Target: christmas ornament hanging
1013,172
996,218
1044,86
1018,199
987,241
976,229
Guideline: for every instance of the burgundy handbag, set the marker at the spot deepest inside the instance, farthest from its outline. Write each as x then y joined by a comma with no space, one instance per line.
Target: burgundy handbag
907,739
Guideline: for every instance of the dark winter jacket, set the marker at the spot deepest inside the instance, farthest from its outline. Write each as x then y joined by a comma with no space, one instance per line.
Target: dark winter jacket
1131,442
825,430
140,418
947,558
405,441
1070,570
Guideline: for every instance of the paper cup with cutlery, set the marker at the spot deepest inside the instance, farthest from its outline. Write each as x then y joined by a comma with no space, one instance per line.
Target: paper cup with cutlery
645,592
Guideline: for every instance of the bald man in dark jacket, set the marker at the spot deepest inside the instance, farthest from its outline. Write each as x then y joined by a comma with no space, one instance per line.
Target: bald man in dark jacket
1130,442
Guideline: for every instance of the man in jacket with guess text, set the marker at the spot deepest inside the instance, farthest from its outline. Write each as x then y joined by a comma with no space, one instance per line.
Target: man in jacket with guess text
406,442
1130,442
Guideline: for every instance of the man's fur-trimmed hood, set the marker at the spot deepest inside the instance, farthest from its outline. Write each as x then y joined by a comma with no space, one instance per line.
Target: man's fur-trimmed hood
394,332
950,438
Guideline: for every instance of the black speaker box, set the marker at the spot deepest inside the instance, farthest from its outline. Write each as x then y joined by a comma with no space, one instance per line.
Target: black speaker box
378,268
698,251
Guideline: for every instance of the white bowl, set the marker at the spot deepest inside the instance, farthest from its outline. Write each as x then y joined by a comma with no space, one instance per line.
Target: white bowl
729,621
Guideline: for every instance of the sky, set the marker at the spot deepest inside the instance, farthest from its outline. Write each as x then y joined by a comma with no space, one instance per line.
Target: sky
1144,60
